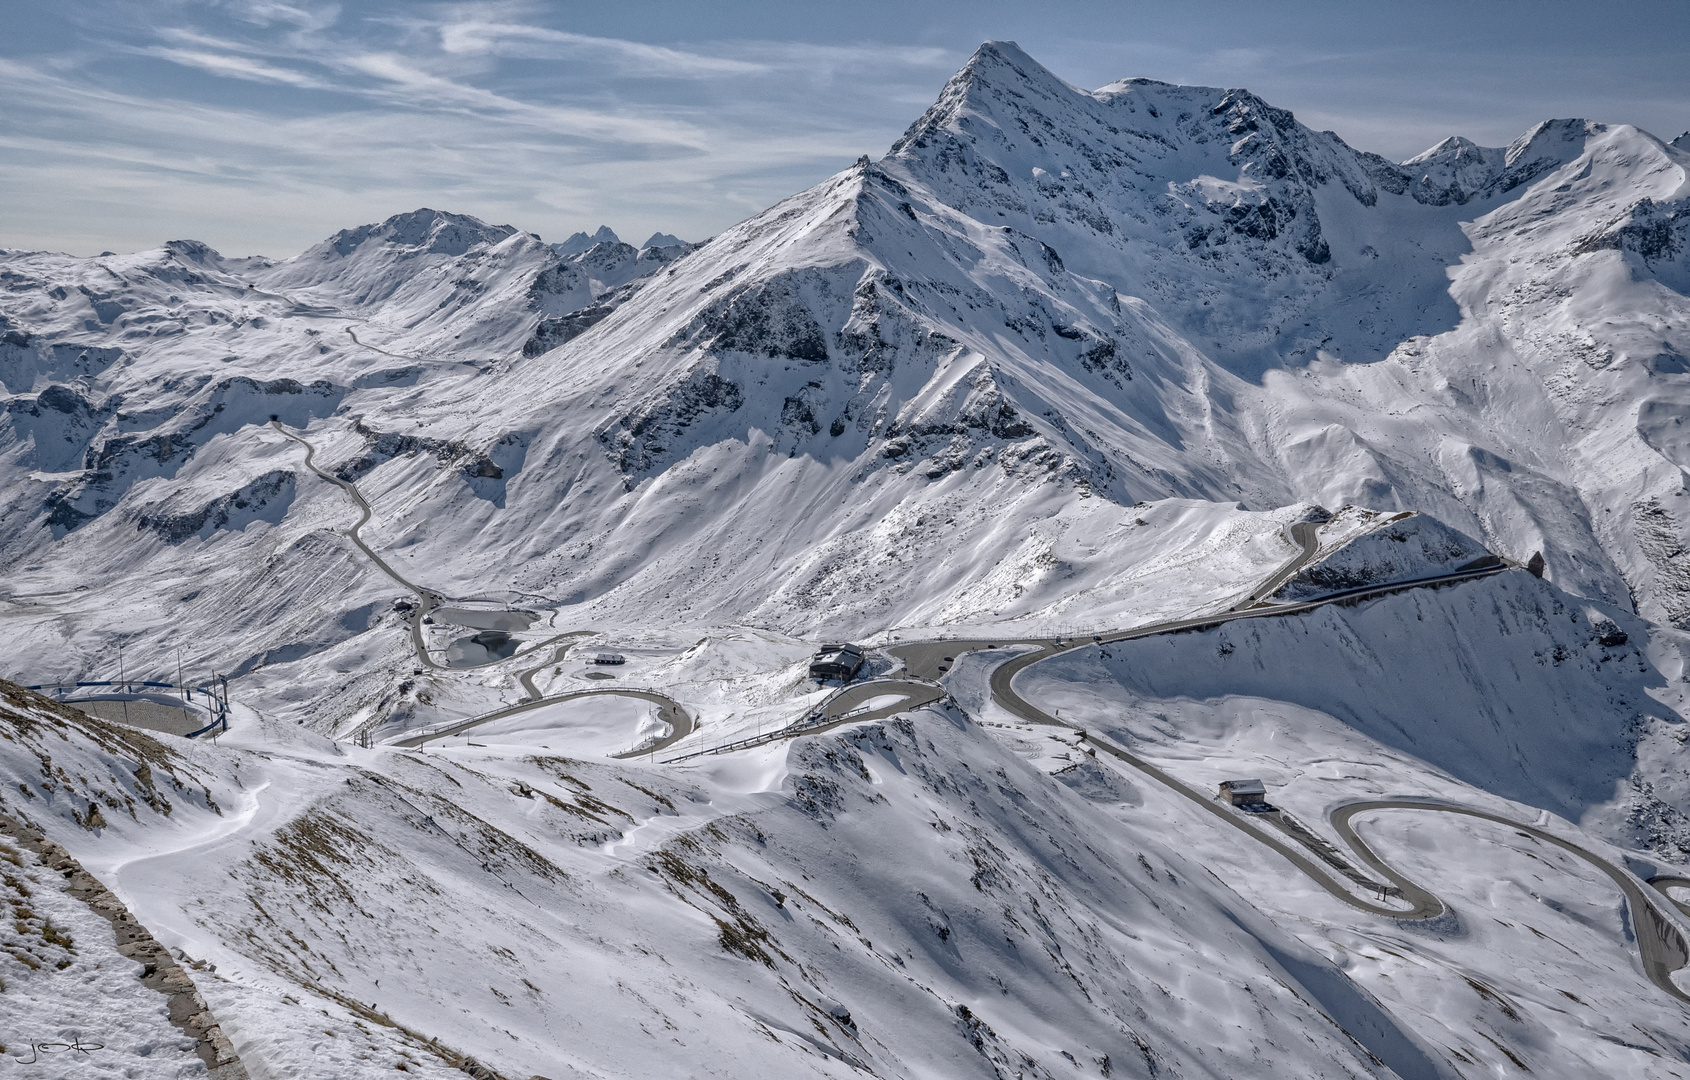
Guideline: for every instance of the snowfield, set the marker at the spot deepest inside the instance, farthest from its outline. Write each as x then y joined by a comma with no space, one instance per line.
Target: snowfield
1062,365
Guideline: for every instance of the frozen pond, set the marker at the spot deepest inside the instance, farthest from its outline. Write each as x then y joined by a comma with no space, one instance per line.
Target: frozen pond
482,648
509,621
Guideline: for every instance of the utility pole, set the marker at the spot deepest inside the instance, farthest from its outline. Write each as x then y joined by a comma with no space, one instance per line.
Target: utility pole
124,680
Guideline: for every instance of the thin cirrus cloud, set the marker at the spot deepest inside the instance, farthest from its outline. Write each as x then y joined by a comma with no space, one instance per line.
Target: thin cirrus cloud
537,42
346,123
238,67
264,125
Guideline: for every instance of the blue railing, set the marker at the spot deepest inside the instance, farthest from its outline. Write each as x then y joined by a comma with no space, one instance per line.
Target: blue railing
221,721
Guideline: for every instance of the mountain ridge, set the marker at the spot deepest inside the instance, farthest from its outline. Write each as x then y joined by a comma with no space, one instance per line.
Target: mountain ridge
1364,479
1210,302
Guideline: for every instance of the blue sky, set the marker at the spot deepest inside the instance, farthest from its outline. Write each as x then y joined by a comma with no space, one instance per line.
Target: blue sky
262,126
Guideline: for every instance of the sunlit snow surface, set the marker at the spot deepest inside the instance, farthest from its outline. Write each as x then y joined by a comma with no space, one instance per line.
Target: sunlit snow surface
537,907
1062,362
596,726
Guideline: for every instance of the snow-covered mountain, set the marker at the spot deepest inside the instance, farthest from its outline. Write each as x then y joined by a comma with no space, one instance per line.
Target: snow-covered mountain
1044,305
1061,362
1136,293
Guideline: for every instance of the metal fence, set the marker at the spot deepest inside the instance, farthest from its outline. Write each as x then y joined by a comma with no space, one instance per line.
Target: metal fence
218,701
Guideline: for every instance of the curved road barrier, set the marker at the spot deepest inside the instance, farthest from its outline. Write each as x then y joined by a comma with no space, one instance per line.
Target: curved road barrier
1662,883
1659,941
681,723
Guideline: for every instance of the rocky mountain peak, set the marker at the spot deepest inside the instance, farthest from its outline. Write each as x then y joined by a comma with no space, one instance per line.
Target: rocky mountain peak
420,231
1453,171
1545,147
193,251
579,242
998,75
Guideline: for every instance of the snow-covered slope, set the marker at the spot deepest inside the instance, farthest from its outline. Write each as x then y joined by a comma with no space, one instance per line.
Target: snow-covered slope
1044,301
910,898
1062,362
1361,547
1147,291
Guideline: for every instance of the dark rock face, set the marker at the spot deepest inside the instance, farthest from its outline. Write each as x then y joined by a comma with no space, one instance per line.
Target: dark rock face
112,462
1649,230
584,285
550,333
424,230
266,497
1659,533
579,242
23,356
796,413
771,320
386,445
640,439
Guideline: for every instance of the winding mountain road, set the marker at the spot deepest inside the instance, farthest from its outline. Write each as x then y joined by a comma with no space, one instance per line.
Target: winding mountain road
1659,940
681,723
526,677
1661,944
1306,535
1668,881
426,601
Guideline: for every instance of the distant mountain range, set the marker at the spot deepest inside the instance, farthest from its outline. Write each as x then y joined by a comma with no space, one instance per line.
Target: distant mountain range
1042,297
1060,362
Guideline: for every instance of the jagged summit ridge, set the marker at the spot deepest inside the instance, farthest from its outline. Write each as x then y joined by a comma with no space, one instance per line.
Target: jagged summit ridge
420,231
1165,248
1042,296
579,242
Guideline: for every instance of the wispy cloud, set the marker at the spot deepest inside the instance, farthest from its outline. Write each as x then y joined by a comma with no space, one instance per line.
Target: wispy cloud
432,107
238,67
271,13
538,42
267,124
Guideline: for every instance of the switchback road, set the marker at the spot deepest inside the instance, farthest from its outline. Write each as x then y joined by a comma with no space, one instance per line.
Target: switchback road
426,601
1658,939
681,723
1661,944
